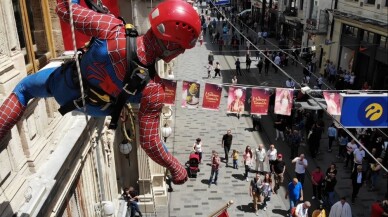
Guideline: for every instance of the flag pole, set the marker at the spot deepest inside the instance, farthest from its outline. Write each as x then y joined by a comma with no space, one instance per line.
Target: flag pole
218,212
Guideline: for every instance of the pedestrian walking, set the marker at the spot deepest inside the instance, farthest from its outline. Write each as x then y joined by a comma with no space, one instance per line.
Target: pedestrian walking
238,67
200,39
302,209
234,80
217,70
358,178
278,168
272,156
267,189
255,191
260,156
329,186
375,169
209,69
215,164
277,62
235,156
343,141
280,126
317,178
350,148
260,64
294,140
198,148
210,58
341,209
248,62
248,161
332,134
226,144
267,64
294,193
300,167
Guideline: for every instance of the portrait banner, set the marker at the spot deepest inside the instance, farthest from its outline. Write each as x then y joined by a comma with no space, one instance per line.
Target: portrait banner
170,91
212,97
190,94
259,101
236,99
333,102
283,101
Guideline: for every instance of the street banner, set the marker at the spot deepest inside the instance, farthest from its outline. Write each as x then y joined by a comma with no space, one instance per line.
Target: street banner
221,2
236,99
283,101
170,91
259,101
212,97
190,94
333,102
364,110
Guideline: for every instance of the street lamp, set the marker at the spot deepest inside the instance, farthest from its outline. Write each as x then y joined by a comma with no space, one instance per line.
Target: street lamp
166,129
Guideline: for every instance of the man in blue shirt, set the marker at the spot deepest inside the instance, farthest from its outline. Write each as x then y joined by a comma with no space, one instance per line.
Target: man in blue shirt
295,193
332,134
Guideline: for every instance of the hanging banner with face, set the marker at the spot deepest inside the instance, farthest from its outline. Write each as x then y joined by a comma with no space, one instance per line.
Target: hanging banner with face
333,102
283,101
236,99
170,91
212,97
259,101
190,94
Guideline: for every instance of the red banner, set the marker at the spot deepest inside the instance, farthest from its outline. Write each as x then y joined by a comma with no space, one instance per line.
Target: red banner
224,214
283,101
259,101
333,102
170,91
212,97
190,94
236,99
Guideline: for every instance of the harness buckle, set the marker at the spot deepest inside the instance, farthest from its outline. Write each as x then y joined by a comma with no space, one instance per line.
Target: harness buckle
79,102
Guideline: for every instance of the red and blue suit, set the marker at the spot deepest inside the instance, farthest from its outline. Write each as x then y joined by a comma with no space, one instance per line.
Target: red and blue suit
104,66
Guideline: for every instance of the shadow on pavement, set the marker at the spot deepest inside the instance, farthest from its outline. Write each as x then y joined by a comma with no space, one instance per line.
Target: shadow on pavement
246,208
205,181
280,212
239,177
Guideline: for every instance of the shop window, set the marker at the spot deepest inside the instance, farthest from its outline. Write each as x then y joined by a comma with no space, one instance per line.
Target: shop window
383,43
350,30
32,20
372,2
368,37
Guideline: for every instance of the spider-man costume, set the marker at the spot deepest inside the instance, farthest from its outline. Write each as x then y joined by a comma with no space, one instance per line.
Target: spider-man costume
104,66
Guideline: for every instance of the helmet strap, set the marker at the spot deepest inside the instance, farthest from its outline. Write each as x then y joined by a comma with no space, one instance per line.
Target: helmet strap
165,51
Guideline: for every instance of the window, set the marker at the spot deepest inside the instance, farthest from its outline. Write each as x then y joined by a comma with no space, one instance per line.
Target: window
383,42
301,4
32,20
350,30
368,37
386,3
372,2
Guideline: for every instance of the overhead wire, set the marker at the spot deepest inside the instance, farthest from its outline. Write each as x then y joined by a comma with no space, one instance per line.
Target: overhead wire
298,84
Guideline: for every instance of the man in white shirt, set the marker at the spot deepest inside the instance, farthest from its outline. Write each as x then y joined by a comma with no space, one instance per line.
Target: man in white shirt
260,156
350,147
341,209
359,155
300,167
302,209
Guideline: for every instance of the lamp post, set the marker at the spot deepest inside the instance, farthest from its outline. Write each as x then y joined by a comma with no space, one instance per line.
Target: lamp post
166,129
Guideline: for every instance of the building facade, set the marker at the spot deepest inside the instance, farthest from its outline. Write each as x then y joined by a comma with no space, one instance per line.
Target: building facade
53,165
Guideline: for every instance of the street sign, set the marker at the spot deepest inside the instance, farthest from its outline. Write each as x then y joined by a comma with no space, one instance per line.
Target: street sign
364,110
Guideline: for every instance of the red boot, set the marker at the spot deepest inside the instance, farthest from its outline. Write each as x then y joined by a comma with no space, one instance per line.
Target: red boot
10,113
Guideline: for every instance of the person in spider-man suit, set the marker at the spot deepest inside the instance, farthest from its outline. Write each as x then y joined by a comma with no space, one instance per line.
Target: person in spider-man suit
175,26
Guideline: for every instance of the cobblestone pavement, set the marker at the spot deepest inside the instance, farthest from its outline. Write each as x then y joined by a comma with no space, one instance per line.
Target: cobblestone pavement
195,198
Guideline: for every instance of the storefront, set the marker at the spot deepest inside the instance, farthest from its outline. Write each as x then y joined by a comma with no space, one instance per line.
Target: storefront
292,31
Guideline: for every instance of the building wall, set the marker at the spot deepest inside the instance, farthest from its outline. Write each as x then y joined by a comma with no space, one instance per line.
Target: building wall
50,165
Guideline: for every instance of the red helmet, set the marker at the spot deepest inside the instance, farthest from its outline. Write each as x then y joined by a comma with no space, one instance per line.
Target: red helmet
176,21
